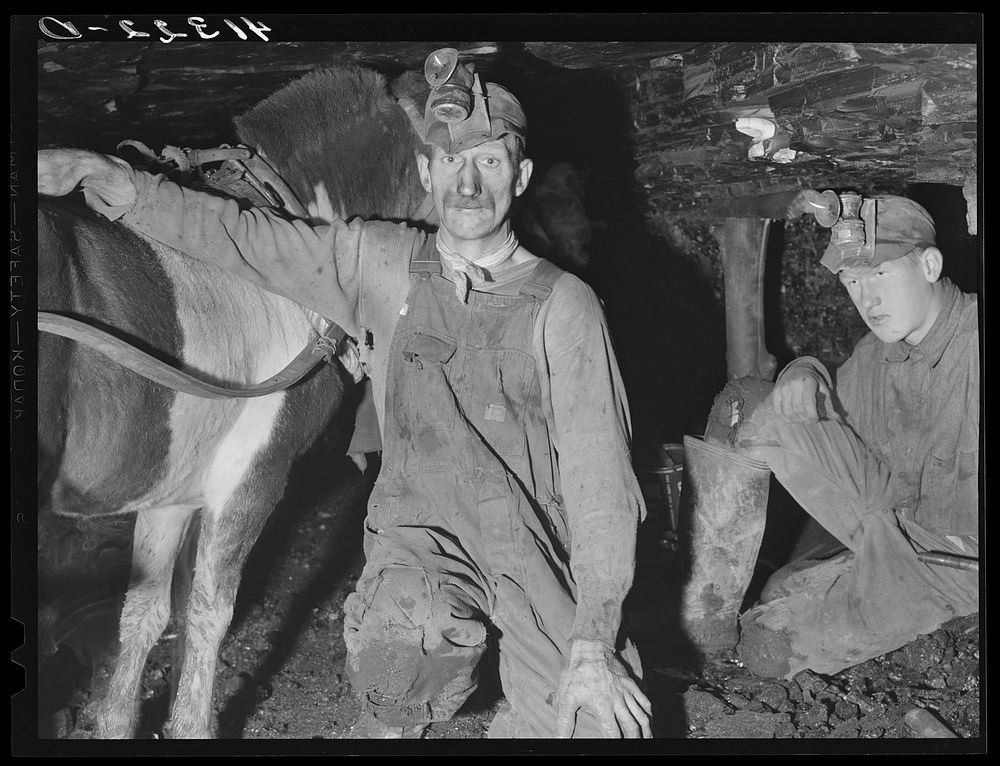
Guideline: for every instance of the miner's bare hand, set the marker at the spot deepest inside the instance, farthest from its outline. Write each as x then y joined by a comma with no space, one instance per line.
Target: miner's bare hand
597,680
799,395
102,179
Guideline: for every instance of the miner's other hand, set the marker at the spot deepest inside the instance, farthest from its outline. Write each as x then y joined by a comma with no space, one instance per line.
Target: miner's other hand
800,396
103,180
598,681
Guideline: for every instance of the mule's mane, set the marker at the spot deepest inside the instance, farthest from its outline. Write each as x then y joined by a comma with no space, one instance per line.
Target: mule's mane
339,127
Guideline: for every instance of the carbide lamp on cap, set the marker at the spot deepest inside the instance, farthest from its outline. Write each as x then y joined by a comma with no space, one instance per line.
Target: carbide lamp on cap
451,85
463,112
867,231
851,219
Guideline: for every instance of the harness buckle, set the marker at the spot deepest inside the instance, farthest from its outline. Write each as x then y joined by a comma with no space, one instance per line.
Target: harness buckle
327,347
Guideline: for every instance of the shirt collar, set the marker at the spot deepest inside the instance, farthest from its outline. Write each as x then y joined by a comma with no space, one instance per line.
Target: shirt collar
934,343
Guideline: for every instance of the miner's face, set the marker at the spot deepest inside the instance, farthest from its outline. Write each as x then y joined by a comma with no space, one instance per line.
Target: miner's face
897,298
473,189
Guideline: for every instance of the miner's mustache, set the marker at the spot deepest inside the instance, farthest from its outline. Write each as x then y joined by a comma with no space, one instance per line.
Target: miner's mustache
468,204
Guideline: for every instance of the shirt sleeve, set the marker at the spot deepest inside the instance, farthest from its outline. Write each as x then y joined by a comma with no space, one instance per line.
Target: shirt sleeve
850,388
592,434
316,266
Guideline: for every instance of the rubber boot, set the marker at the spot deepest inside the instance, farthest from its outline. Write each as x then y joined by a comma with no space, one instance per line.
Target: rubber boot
724,510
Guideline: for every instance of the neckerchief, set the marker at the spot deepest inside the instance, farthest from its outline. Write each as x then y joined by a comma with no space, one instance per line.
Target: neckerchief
467,274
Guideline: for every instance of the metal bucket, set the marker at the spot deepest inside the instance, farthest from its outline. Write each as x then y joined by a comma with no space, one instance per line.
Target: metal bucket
660,483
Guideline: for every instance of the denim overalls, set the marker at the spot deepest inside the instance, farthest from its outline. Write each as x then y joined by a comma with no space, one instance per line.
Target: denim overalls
466,538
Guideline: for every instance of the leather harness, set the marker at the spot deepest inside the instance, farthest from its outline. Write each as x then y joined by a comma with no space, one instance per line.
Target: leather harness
243,174
323,349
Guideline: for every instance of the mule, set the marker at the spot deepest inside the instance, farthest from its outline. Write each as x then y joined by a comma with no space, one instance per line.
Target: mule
112,443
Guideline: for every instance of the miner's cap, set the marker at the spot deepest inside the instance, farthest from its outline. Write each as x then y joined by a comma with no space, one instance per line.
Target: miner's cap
496,112
901,227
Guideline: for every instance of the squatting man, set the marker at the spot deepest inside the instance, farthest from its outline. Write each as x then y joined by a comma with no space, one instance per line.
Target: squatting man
884,454
506,509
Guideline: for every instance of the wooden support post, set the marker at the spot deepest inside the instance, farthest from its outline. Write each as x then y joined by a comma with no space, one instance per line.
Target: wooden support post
743,246
969,191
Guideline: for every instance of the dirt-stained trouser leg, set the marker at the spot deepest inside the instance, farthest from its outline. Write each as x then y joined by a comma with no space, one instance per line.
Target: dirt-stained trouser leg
534,615
415,629
857,607
157,540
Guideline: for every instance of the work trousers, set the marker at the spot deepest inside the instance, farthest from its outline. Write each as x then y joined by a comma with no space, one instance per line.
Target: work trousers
870,601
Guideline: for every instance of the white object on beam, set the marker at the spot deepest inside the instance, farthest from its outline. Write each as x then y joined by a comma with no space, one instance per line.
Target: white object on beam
758,128
784,155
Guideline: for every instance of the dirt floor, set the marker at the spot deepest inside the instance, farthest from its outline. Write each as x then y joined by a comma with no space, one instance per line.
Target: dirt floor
281,670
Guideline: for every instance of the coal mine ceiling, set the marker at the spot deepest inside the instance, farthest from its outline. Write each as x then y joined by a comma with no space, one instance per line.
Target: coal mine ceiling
862,115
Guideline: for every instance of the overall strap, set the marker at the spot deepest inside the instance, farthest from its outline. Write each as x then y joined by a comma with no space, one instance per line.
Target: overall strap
539,285
426,260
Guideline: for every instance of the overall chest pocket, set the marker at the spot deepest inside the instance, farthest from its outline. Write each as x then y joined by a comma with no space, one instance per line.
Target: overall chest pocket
496,388
949,492
426,397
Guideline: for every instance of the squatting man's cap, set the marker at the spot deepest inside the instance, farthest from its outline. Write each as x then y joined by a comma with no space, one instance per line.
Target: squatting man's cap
463,112
893,227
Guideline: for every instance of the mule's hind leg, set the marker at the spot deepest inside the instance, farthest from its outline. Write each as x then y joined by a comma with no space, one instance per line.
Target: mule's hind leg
224,543
156,541
180,593
245,480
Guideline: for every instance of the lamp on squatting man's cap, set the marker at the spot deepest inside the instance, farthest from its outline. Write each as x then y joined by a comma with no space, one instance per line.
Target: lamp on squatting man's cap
463,112
867,231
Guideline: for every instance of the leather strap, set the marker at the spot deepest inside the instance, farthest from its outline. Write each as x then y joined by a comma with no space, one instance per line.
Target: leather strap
324,349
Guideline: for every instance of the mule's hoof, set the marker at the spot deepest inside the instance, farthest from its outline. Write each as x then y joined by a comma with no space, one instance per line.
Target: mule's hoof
174,730
111,726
